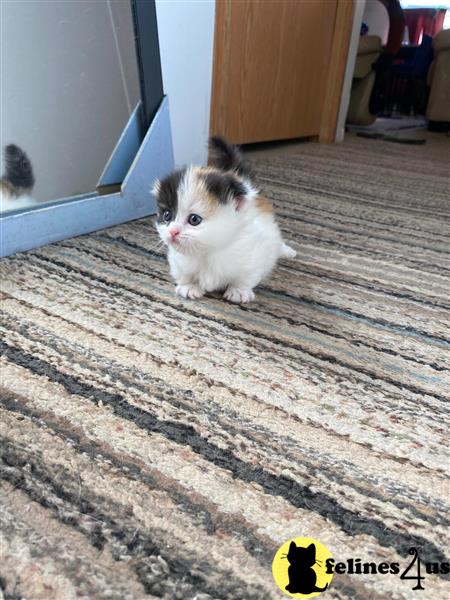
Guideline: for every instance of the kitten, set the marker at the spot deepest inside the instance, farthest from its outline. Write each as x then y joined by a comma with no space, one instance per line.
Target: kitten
220,232
17,181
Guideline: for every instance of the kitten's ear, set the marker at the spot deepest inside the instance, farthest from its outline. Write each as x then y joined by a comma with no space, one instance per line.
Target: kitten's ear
311,549
238,202
226,187
293,546
239,191
156,187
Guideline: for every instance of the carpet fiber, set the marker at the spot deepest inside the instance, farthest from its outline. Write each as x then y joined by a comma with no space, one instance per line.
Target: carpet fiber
158,447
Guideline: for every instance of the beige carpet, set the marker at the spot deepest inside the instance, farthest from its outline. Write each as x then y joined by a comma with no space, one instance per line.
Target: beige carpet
154,447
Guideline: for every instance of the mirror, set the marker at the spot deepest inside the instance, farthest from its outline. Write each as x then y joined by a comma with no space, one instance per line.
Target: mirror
69,85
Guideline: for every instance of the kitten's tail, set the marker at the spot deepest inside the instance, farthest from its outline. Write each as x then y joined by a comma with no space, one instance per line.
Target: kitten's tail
18,177
318,589
226,156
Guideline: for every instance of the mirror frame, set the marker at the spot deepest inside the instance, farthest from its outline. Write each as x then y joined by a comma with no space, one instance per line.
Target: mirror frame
142,154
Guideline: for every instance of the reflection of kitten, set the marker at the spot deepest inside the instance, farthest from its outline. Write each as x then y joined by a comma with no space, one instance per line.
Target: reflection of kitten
302,577
17,181
221,233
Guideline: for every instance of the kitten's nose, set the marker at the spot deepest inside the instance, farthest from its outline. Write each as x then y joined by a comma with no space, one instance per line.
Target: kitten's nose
174,233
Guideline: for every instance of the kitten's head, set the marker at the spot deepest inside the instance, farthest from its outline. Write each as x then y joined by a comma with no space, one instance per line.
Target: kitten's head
200,209
302,556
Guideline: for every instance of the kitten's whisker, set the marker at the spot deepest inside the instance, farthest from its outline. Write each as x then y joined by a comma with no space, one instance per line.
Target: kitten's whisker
156,247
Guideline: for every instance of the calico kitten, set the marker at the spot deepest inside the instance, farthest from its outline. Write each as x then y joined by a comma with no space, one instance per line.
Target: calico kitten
220,232
17,181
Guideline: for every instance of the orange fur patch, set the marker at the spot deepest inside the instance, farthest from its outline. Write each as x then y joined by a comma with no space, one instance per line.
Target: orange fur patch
7,190
263,205
208,200
211,203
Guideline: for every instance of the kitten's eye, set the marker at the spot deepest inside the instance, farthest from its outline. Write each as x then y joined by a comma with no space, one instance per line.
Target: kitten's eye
167,215
194,220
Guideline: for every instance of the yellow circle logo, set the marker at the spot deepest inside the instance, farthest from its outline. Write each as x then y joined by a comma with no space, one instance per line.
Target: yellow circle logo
299,568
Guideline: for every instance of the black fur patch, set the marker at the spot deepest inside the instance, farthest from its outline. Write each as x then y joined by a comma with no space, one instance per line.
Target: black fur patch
167,198
18,169
225,186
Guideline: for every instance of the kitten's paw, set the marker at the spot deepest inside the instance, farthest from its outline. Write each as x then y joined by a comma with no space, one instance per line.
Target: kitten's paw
239,296
287,251
189,291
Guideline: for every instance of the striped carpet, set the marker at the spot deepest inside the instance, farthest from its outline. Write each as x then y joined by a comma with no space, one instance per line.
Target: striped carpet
154,447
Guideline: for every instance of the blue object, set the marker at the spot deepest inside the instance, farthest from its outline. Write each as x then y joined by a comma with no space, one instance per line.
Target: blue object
417,66
126,149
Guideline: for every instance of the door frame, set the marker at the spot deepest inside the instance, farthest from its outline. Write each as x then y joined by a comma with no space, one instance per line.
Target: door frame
142,154
358,12
340,51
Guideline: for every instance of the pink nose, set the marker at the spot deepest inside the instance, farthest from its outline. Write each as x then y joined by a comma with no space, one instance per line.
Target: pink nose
174,233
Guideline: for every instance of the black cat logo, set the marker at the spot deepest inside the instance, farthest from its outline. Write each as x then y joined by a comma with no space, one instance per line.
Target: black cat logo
299,567
302,577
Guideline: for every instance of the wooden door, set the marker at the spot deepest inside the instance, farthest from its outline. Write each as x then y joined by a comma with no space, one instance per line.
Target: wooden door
278,68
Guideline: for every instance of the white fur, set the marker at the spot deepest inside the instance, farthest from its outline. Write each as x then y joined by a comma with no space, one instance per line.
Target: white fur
232,250
8,203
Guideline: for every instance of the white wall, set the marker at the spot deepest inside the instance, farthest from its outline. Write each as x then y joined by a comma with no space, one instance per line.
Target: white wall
64,96
376,17
186,35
